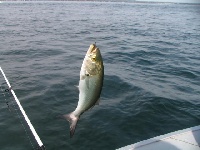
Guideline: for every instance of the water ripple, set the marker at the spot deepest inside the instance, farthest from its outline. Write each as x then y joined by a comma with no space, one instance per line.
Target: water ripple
152,77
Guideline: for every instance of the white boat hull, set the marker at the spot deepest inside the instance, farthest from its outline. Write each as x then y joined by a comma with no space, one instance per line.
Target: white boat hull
187,139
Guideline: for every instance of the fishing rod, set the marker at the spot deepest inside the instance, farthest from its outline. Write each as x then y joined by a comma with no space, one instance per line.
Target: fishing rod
37,138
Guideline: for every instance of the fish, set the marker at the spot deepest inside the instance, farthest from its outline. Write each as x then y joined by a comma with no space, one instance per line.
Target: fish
90,85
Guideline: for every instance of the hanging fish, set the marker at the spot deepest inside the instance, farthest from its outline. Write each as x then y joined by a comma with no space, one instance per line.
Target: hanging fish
90,85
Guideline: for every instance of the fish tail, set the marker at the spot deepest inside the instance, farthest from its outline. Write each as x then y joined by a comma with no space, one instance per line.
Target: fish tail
72,121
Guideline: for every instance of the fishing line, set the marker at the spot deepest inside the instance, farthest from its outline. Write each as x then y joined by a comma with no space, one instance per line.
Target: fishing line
6,101
11,91
6,93
18,114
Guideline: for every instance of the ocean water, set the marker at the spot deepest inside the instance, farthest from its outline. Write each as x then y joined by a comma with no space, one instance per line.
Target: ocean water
151,54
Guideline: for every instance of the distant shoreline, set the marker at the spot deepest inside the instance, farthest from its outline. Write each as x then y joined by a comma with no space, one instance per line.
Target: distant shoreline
128,1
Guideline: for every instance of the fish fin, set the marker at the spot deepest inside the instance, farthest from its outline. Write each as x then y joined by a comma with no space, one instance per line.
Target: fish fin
87,82
72,121
97,102
77,86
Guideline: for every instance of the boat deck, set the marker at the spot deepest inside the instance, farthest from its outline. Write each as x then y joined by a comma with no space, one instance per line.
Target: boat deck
187,139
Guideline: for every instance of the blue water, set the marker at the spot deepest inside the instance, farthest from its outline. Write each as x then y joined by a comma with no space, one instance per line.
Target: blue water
151,54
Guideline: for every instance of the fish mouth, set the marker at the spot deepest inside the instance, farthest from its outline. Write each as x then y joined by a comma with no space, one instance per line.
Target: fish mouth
92,52
93,60
92,49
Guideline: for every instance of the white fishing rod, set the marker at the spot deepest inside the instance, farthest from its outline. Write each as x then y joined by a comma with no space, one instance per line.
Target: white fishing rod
37,138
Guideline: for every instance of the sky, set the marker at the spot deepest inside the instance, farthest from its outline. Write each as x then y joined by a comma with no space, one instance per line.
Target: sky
175,1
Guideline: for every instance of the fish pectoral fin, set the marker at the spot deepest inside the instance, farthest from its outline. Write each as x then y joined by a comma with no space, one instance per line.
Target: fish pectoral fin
87,83
72,121
77,86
